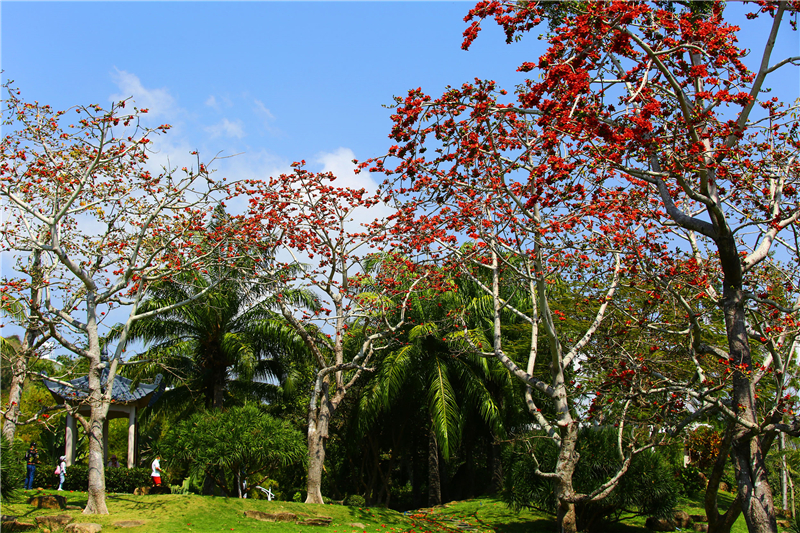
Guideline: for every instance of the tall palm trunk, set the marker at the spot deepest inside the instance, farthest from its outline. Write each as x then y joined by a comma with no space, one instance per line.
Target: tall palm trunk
434,477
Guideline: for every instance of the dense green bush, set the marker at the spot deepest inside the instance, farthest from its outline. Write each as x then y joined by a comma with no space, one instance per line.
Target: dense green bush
355,500
12,468
121,480
648,488
239,444
691,480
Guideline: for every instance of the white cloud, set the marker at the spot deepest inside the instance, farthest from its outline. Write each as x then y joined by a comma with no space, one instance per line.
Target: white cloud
340,164
265,114
212,102
226,128
158,102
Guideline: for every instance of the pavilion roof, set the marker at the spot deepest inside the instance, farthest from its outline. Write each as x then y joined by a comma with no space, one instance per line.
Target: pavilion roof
123,392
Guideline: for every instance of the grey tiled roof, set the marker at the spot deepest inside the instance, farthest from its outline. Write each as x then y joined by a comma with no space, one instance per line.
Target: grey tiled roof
122,392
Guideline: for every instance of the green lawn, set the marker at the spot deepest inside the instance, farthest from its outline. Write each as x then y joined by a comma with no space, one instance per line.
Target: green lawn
184,513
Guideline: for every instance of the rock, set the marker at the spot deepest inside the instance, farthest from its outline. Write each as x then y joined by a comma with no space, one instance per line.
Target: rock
48,502
358,525
129,523
659,524
141,491
682,519
317,521
74,508
56,521
270,517
85,527
723,486
160,489
698,518
14,525
701,528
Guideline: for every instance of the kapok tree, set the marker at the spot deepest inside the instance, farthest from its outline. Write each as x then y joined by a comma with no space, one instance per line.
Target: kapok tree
525,223
99,227
320,248
659,92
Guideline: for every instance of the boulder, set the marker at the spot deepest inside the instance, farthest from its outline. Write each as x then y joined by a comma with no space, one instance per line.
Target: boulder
659,524
316,521
701,528
358,525
723,486
74,508
129,523
56,521
141,491
15,525
85,527
48,502
270,517
160,489
682,519
698,518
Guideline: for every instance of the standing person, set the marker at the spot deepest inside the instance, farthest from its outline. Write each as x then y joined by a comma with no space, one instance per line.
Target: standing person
156,473
62,471
31,458
114,462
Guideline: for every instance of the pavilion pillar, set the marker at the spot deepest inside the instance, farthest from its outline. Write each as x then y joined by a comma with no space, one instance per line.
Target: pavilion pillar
105,441
132,437
70,440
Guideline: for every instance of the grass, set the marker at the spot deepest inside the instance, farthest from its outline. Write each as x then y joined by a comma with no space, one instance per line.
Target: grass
192,513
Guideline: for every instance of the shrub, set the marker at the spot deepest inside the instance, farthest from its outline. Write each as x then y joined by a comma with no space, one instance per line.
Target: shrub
122,480
648,488
355,500
12,468
691,480
242,443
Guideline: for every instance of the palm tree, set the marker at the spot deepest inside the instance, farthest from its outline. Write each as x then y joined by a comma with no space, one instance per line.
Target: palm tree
228,344
430,382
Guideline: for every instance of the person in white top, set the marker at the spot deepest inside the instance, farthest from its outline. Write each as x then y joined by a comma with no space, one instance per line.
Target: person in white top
156,473
62,471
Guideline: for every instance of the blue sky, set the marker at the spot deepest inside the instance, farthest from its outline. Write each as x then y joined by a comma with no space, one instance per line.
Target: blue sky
273,81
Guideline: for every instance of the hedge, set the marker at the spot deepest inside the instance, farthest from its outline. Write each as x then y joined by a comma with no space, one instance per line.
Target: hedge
121,480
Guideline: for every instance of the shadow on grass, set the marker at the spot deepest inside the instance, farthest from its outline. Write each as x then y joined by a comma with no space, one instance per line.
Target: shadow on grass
137,503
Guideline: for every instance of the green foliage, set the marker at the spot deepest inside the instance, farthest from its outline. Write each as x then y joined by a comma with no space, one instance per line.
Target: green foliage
648,488
355,500
119,480
12,468
691,480
242,443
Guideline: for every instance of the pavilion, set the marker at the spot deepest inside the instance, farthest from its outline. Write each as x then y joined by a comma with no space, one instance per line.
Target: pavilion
125,401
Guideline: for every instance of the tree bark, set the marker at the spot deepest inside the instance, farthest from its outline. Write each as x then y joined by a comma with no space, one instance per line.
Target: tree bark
496,465
19,369
434,480
96,503
565,468
19,366
748,457
318,422
721,523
